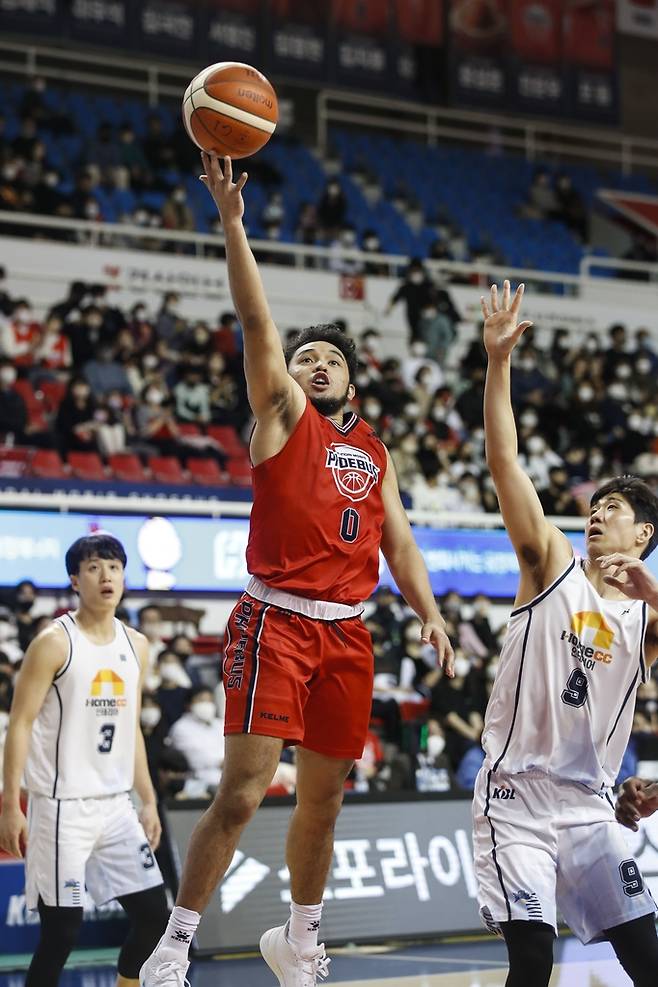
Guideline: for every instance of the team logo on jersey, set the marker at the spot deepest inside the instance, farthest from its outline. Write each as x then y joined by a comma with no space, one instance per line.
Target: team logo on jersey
107,692
590,638
354,471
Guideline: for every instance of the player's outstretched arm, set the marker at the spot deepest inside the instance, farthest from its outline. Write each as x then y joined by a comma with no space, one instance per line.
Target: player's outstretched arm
270,387
410,572
531,535
47,653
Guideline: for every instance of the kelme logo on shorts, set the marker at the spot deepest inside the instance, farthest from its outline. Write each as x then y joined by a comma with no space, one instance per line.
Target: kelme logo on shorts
354,471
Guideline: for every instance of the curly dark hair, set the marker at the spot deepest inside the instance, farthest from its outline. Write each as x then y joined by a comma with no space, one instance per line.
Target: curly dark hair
641,498
327,333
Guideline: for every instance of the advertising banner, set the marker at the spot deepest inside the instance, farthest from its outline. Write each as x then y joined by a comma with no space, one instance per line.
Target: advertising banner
168,27
639,17
296,39
232,32
399,869
101,22
27,16
203,554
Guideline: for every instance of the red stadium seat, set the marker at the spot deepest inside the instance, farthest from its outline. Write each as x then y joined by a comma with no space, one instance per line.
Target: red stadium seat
36,407
239,471
228,439
188,428
166,469
48,464
14,460
53,391
86,465
127,467
205,472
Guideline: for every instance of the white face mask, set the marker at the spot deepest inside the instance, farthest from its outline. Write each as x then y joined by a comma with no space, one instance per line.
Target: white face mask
435,746
175,674
462,667
152,682
150,716
7,375
205,710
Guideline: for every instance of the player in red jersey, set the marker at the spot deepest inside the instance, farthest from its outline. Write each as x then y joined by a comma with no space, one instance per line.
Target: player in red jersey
298,658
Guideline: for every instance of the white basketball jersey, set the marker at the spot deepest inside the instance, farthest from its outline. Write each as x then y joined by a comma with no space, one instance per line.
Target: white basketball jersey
564,695
83,740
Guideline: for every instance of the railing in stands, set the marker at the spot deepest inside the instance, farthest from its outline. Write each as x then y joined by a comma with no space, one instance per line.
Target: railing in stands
535,139
68,501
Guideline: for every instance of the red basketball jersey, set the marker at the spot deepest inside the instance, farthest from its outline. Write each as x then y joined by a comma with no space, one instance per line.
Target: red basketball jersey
318,512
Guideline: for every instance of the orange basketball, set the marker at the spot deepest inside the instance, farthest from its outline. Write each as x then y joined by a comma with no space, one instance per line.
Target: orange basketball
230,108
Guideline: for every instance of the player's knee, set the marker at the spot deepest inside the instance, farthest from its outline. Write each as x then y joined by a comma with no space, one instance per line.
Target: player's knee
233,810
530,952
60,927
323,807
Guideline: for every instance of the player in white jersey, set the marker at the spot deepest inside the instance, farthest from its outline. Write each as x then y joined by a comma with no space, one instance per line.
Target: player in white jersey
581,637
74,736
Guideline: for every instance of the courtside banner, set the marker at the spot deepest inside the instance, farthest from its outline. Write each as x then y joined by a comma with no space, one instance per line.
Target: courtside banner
204,554
399,869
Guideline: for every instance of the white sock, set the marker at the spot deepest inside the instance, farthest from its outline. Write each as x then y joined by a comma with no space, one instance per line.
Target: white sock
303,927
177,939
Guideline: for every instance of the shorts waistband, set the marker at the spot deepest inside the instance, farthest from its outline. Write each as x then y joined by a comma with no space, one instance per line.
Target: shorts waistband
315,609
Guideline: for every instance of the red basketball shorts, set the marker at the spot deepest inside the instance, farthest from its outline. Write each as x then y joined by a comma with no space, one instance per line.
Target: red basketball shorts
305,680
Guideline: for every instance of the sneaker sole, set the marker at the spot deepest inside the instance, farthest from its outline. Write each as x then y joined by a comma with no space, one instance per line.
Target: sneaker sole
264,952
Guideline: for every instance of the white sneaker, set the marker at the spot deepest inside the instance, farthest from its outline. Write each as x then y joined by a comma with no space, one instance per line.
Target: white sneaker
291,969
157,972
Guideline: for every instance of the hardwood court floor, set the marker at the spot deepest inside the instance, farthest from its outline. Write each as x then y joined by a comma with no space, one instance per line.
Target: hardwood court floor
478,963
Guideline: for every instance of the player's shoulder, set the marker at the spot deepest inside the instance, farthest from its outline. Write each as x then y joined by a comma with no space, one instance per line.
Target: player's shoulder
138,640
52,641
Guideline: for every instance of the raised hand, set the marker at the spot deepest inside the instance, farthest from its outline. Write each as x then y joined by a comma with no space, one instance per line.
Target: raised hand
219,182
631,576
501,329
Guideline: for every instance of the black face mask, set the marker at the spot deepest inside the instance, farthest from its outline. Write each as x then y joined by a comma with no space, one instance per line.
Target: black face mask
24,605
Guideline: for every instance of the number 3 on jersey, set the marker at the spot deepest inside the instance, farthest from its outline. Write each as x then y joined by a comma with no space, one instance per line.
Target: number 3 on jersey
349,525
106,738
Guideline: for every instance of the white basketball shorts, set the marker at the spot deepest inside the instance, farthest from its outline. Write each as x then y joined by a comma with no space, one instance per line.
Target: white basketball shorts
98,843
541,844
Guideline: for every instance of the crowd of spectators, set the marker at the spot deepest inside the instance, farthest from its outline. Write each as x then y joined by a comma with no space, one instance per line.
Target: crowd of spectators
153,382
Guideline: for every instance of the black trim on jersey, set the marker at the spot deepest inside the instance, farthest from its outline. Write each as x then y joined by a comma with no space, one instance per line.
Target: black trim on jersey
643,667
125,631
59,732
70,657
494,856
542,596
253,678
631,689
59,805
518,689
606,796
349,423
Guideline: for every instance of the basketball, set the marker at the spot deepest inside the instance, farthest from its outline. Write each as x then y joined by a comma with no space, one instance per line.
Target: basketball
230,108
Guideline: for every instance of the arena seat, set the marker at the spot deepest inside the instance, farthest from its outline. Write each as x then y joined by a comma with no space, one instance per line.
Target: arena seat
166,469
53,391
228,439
127,467
205,472
36,409
86,465
188,428
239,471
47,463
14,460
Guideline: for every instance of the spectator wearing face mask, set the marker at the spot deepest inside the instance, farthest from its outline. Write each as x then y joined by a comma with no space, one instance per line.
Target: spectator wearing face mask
176,213
105,373
616,353
457,712
25,596
155,420
20,335
149,623
75,424
175,684
417,292
199,734
84,330
154,731
345,239
195,665
537,459
168,322
332,208
13,410
370,244
419,358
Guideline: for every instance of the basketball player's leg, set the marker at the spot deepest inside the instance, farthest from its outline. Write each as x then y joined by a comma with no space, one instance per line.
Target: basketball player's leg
310,842
58,935
529,951
636,946
249,765
148,913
